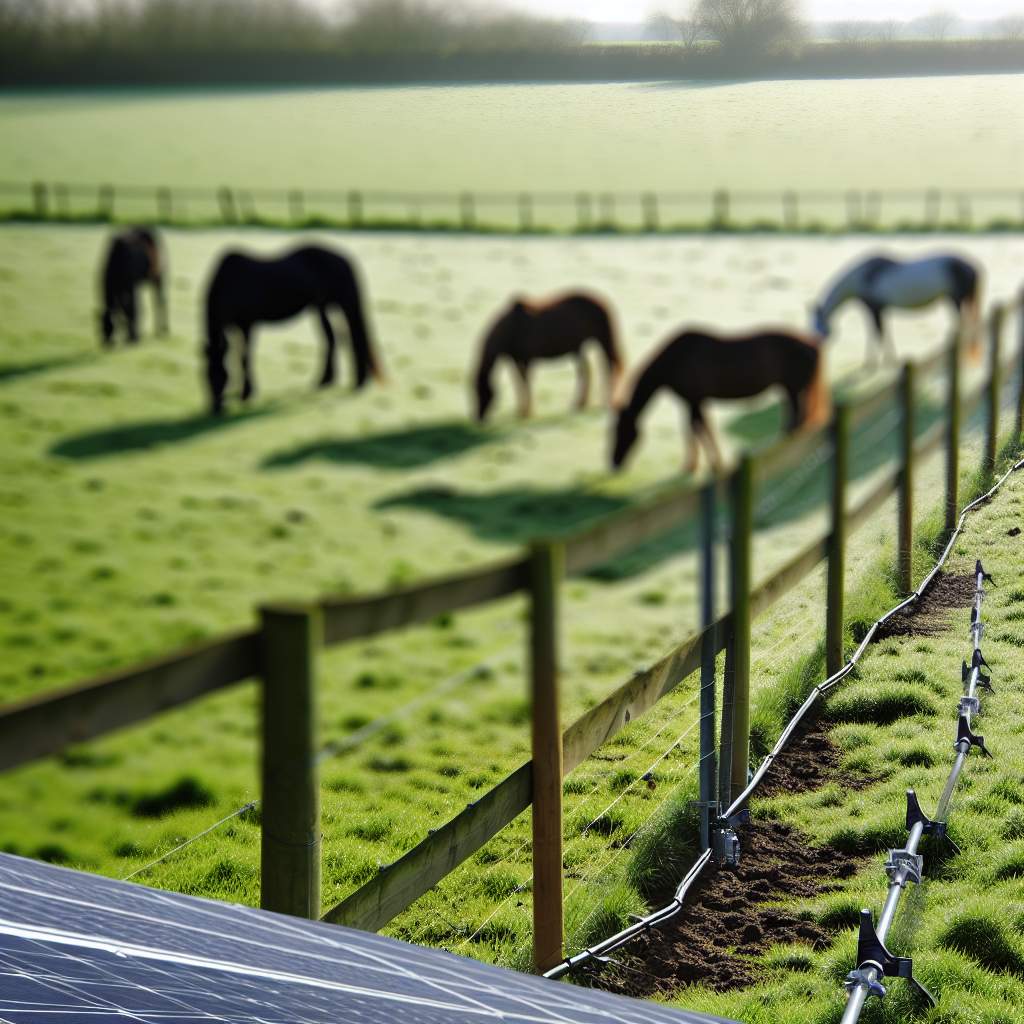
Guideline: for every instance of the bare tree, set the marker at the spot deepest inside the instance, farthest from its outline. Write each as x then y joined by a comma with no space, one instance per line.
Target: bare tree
938,24
749,24
677,29
849,31
887,31
1010,27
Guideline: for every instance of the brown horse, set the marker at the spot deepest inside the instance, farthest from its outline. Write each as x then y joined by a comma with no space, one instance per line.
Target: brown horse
133,258
527,332
699,366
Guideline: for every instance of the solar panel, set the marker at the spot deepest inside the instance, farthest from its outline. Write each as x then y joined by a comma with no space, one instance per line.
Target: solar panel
78,947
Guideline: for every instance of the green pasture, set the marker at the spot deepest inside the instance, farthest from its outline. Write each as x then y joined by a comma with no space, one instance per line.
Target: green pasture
132,523
964,927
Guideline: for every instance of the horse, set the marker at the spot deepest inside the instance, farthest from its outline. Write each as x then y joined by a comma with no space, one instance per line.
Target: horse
246,290
133,257
881,282
526,332
697,366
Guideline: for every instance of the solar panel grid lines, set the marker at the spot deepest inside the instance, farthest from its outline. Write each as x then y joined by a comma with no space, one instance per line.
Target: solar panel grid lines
78,947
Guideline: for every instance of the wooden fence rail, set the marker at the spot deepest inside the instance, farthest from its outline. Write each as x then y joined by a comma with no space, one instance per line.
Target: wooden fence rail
282,653
467,210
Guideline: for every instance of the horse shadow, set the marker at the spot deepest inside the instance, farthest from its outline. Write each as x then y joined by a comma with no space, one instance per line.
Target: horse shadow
141,436
18,370
399,450
514,515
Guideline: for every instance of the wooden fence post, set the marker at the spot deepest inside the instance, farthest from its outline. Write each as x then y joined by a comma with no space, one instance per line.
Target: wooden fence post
296,205
164,204
105,202
1020,367
932,207
964,215
837,542
290,864
467,211
708,794
854,216
607,205
953,433
905,514
739,644
62,200
355,208
226,201
649,202
582,211
546,569
40,199
791,210
720,208
525,211
994,387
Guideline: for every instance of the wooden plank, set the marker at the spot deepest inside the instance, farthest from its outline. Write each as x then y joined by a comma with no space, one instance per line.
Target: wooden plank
932,363
546,567
788,452
290,832
351,618
931,439
627,530
400,884
796,569
48,723
873,500
869,406
905,515
835,587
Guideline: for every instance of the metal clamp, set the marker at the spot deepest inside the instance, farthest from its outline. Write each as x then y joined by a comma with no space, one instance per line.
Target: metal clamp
964,735
861,977
915,815
969,706
904,860
725,843
984,681
872,952
979,570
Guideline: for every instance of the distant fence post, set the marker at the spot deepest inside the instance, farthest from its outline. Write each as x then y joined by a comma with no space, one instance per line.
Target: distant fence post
296,205
246,207
290,857
62,201
607,206
994,387
854,216
226,202
467,210
953,432
164,204
105,202
791,210
546,569
873,208
932,207
525,211
905,528
355,208
583,211
649,202
837,542
40,199
739,644
720,208
964,215
1020,366
708,801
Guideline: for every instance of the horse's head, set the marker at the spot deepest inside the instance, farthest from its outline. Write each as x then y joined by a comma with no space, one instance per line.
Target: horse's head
484,395
498,342
626,434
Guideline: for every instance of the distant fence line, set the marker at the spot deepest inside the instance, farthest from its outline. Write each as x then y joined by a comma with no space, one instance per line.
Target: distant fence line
283,652
524,211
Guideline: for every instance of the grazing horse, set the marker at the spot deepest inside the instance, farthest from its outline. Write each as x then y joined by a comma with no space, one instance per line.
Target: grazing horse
698,366
527,332
132,258
246,291
881,282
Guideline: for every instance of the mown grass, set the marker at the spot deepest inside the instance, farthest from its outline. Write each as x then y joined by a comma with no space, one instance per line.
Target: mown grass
133,523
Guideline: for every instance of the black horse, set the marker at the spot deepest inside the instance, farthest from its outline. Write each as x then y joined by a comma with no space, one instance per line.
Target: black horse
132,258
246,291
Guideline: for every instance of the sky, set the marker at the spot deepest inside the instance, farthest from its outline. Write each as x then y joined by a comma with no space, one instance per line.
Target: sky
818,10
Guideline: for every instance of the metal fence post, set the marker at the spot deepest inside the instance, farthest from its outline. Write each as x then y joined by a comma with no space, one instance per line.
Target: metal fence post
708,798
290,866
546,569
837,542
994,387
905,514
739,592
953,433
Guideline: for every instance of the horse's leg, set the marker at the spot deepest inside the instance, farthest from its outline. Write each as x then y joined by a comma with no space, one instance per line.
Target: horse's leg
331,345
876,342
248,383
703,429
692,456
130,314
523,386
583,381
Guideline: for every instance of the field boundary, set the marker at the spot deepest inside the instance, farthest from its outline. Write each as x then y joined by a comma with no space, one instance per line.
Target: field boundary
520,212
284,651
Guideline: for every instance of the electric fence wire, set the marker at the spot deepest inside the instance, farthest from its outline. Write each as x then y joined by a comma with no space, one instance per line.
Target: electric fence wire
658,917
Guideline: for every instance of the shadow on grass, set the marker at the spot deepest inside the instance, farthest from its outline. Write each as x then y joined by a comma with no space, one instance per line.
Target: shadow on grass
18,370
135,437
402,449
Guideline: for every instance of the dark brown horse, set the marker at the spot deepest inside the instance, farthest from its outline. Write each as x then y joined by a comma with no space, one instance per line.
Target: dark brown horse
133,258
528,332
699,366
246,290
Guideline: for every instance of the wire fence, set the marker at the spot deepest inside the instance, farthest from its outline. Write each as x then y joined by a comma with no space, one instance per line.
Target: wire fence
526,211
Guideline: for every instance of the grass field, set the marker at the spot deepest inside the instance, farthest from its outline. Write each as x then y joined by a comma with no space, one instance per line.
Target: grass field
769,136
133,523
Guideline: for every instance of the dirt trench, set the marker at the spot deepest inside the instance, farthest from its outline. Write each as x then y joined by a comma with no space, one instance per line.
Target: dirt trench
728,919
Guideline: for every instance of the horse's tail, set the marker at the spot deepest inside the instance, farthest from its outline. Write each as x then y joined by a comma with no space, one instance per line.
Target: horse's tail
608,340
817,399
367,360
